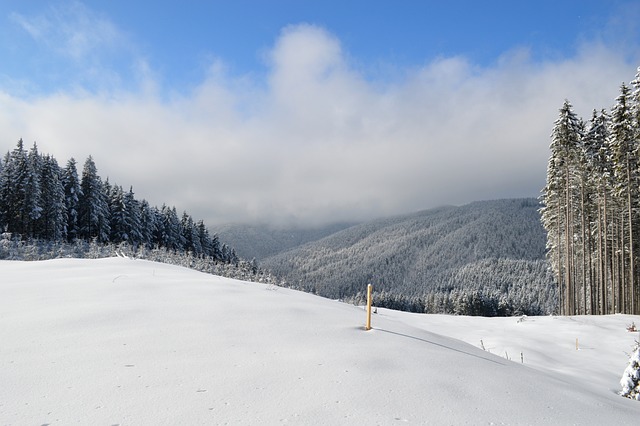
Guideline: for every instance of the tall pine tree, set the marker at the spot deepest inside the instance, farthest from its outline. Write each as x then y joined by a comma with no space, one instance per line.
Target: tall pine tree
558,213
93,209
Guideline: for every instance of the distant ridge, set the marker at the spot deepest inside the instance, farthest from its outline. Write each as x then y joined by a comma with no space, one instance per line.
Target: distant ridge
262,241
437,260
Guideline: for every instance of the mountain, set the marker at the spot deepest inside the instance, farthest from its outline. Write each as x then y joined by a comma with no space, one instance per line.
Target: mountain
484,258
262,241
122,341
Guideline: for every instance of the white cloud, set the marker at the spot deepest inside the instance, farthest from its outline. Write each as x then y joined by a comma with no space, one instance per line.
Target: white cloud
71,29
316,141
75,48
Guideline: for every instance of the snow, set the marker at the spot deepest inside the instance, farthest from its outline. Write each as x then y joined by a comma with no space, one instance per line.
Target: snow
130,342
630,380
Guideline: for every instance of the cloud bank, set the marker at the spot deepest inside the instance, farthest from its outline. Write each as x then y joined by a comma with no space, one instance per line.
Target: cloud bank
315,140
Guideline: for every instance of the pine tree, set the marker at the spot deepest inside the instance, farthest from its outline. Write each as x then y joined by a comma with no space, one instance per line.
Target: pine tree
172,235
216,250
15,186
630,380
148,224
599,156
72,195
190,235
52,225
133,219
117,214
627,190
15,189
93,212
205,239
558,213
5,191
32,193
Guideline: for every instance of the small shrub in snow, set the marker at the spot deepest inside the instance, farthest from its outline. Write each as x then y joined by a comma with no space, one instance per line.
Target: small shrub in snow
630,381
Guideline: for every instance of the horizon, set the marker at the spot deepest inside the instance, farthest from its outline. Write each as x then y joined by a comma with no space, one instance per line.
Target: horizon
296,114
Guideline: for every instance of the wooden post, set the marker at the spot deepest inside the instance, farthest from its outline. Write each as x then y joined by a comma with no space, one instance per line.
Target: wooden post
368,326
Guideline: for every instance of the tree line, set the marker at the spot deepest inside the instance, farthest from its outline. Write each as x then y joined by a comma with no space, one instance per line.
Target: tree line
591,207
39,200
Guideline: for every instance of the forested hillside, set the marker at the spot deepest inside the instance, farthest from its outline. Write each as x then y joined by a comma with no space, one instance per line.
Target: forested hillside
485,258
262,241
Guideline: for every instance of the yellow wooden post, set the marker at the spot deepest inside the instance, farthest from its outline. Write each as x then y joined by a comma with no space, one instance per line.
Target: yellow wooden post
368,326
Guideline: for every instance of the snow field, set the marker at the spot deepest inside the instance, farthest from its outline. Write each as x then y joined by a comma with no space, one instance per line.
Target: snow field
120,341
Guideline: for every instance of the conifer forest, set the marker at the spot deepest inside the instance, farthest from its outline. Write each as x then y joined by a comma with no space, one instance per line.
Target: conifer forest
48,211
591,207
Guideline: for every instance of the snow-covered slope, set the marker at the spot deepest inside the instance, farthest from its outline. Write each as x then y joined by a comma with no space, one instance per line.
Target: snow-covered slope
118,341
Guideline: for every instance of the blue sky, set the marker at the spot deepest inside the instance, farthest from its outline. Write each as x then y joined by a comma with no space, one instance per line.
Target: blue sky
382,38
308,112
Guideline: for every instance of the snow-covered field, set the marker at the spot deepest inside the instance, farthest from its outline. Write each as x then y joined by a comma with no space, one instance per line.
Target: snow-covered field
129,342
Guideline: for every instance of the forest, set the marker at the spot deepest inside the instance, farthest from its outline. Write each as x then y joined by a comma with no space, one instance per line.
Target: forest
486,258
591,207
49,211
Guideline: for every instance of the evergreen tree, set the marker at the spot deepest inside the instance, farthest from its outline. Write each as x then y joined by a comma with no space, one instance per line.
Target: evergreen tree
32,193
216,250
558,213
133,218
630,381
148,223
5,191
205,239
190,235
158,227
627,188
599,155
117,214
52,225
93,212
72,195
14,190
172,235
592,229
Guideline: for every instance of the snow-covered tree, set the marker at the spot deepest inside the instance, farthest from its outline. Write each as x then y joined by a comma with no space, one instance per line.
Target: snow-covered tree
117,215
598,151
52,224
5,191
172,236
93,214
560,202
32,192
592,210
72,195
630,380
16,180
133,217
148,223
624,148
